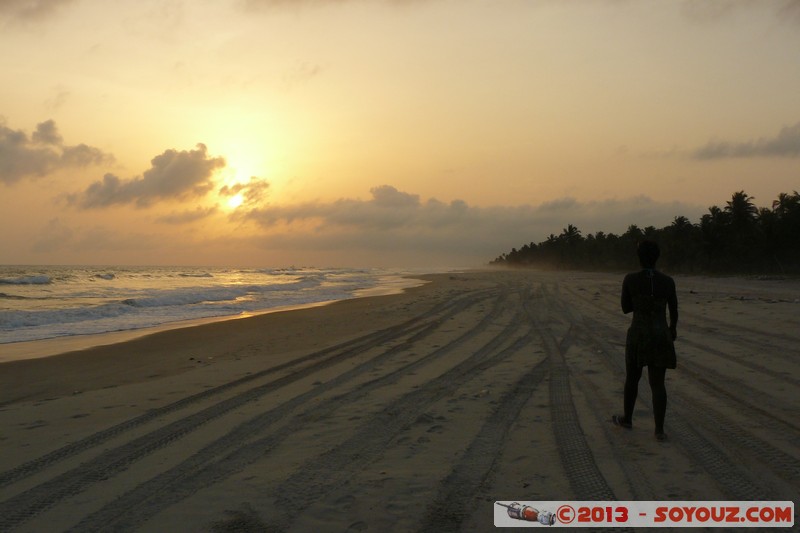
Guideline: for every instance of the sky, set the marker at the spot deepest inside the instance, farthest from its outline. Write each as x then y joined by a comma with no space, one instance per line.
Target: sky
386,133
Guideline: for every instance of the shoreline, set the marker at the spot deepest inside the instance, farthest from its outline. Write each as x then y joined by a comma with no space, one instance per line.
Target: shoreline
53,346
139,355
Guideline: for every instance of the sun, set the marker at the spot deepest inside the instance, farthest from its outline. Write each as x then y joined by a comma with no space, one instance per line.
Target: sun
235,201
241,183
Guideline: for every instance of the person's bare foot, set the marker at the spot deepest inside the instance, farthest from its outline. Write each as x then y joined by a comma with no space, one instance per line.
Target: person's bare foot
621,421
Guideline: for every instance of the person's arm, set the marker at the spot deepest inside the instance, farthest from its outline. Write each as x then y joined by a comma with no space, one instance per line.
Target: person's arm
672,303
627,301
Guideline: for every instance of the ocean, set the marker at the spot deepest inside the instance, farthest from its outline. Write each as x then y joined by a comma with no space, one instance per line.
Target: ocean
47,302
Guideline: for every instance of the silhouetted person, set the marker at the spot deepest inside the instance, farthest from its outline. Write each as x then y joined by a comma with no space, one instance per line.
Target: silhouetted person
648,293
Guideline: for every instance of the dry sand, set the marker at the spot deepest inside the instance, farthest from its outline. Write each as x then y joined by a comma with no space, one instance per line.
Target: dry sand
412,412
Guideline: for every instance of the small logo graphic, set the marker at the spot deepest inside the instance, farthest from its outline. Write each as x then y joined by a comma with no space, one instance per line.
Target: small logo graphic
565,514
529,514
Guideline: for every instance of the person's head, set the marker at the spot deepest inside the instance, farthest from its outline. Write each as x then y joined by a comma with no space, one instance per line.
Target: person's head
648,253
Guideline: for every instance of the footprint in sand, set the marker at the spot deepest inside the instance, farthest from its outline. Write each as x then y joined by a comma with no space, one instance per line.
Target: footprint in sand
358,526
424,418
345,502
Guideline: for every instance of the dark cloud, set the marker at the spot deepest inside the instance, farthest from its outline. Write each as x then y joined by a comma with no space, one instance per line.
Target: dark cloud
173,175
82,155
47,133
30,10
253,192
389,197
41,154
388,209
389,228
396,222
785,144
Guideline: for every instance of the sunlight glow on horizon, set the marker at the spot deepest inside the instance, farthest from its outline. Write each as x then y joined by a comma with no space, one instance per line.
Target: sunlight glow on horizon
508,109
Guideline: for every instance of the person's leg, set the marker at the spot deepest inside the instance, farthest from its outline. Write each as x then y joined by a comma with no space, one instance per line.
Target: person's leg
633,373
656,377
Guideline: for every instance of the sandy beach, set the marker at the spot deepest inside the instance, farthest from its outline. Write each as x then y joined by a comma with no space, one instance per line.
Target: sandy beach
410,412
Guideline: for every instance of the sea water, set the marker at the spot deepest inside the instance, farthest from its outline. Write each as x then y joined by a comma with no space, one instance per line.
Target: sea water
48,302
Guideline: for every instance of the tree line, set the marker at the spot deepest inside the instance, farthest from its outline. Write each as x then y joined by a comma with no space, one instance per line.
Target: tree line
738,238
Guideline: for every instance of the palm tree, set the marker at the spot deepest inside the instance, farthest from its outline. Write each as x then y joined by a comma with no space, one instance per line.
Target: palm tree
786,203
679,244
572,235
736,238
741,209
634,233
681,225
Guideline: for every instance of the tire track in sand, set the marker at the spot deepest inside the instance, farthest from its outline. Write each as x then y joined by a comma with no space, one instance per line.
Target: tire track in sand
448,510
577,460
733,480
640,486
387,334
331,470
731,390
234,451
738,340
32,502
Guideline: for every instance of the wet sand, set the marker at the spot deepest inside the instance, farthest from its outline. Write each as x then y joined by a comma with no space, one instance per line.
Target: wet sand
411,412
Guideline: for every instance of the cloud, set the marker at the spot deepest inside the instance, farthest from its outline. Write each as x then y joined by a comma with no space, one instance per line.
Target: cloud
187,217
253,192
41,154
57,101
82,156
30,10
47,133
392,223
173,175
390,228
785,144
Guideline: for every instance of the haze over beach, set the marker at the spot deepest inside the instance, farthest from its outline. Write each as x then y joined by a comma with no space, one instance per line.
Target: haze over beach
380,133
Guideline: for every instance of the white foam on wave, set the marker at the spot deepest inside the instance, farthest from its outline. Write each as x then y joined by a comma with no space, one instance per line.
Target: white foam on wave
27,280
144,298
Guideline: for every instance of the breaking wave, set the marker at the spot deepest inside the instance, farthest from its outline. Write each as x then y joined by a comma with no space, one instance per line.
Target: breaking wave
27,280
64,301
